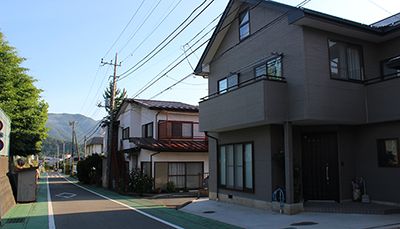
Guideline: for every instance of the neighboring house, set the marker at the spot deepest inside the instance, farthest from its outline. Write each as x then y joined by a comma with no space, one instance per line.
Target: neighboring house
302,101
163,140
94,146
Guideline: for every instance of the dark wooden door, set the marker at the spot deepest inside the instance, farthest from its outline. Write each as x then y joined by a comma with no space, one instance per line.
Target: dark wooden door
320,166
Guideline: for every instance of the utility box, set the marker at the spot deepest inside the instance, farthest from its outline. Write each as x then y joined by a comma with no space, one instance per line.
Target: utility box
26,185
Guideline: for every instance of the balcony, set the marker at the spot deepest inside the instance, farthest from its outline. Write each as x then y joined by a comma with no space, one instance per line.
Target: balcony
254,102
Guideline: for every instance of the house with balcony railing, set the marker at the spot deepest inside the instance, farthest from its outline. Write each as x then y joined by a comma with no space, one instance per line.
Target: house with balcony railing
162,139
301,103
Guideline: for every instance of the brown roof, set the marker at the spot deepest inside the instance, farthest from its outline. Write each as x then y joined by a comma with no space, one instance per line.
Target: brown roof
165,105
170,146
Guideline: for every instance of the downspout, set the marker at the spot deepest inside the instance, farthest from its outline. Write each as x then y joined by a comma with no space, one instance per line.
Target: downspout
156,125
151,163
216,150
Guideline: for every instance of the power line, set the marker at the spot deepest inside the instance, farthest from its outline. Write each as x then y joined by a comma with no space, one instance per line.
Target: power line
126,26
90,90
144,21
301,4
101,85
144,61
151,33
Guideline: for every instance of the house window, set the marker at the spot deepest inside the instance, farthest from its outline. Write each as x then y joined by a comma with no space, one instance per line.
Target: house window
388,71
146,168
147,130
236,166
185,174
228,83
125,133
345,61
272,69
244,24
388,152
175,130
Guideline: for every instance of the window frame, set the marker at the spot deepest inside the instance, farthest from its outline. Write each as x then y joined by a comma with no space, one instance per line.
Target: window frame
265,64
125,133
379,143
244,11
145,132
186,170
237,75
361,53
181,126
382,63
244,188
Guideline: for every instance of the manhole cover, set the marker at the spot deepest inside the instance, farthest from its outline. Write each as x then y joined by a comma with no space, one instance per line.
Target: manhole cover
208,212
66,195
305,223
15,220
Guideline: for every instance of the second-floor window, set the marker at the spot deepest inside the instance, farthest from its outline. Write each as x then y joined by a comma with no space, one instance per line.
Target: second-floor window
175,130
345,61
244,24
387,70
147,130
125,133
228,83
271,69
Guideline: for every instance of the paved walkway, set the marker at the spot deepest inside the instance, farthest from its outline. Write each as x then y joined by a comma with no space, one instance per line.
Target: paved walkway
252,218
35,215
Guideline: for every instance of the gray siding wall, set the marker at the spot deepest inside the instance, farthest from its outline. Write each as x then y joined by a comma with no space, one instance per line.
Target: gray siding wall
382,182
261,139
279,37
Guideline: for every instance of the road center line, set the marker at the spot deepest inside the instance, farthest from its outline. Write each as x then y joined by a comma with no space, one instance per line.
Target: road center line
125,205
50,206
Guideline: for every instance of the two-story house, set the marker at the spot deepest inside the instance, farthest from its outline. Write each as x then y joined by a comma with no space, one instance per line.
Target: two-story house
162,139
94,146
302,101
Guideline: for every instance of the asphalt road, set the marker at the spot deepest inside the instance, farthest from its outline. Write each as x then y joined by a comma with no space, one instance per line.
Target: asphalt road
74,207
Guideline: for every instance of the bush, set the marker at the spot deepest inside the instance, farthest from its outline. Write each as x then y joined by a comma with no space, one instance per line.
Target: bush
90,170
171,186
140,182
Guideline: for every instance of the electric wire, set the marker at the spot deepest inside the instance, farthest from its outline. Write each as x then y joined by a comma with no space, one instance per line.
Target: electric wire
126,26
140,26
152,53
151,33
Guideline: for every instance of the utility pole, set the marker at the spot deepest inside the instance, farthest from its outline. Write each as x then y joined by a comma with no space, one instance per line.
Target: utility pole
72,124
111,114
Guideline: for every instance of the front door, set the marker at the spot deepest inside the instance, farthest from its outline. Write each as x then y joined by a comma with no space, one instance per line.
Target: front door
320,166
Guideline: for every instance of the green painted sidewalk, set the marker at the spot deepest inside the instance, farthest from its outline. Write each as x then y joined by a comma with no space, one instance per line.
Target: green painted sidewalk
29,215
179,218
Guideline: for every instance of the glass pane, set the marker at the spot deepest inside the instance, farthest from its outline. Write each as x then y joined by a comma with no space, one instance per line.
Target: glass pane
244,17
337,60
233,81
230,166
222,86
274,67
354,63
161,174
187,130
176,169
195,168
387,71
391,153
149,130
239,166
222,166
176,129
193,182
248,154
244,31
179,181
260,70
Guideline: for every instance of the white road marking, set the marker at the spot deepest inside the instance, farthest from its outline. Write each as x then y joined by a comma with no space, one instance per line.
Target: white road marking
66,195
52,225
125,205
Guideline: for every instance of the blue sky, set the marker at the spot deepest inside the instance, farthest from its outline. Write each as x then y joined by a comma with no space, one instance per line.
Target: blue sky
63,42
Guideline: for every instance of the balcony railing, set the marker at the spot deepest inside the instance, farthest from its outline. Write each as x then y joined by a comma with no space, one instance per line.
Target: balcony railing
243,84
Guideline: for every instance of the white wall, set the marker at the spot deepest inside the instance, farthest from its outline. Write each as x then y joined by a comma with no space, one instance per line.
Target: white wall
94,149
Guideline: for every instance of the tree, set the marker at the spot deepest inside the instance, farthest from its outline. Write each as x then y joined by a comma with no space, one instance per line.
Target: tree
119,98
21,101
